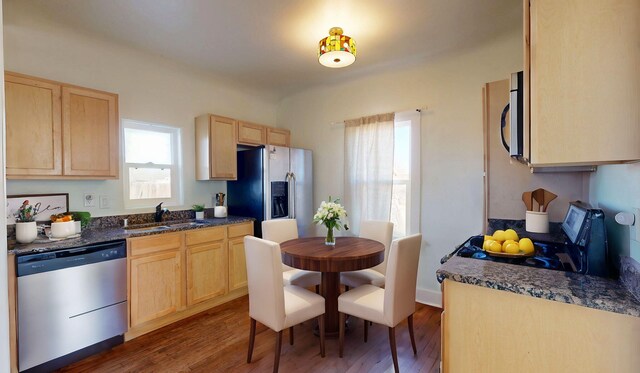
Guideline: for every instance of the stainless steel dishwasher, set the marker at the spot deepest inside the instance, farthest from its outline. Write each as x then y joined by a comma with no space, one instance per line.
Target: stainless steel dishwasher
71,303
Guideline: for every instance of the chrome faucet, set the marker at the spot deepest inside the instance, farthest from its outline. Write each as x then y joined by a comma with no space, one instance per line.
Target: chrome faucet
160,212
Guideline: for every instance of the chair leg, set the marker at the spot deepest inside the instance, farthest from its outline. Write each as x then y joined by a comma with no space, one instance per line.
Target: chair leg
291,335
346,288
321,327
366,330
413,339
341,333
252,338
317,289
392,344
276,362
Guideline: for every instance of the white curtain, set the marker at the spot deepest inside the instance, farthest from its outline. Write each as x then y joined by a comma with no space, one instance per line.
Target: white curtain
368,154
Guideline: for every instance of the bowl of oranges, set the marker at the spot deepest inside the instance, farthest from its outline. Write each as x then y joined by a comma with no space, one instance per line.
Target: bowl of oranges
507,244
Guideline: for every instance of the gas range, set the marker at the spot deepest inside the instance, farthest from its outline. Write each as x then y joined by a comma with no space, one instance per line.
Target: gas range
548,255
582,249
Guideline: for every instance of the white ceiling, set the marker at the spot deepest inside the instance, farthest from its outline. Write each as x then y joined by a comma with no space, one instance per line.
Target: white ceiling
271,44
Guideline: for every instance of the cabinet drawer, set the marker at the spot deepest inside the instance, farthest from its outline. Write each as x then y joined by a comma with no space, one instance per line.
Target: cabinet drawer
199,236
152,244
239,230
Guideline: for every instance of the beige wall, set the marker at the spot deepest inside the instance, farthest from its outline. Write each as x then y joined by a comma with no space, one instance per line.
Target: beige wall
508,179
151,89
452,164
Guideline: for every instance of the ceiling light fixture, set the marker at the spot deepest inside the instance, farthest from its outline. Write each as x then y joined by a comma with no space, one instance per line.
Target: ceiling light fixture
336,50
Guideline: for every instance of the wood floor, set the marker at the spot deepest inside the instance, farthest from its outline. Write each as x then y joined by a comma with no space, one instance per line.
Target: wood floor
217,341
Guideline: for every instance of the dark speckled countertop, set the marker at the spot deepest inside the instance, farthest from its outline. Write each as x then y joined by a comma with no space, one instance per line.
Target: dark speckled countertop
98,235
588,291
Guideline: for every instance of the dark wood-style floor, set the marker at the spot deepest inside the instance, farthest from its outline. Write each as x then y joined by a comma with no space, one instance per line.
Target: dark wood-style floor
217,341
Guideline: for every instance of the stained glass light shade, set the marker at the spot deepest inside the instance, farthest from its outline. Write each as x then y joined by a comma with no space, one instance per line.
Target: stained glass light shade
336,50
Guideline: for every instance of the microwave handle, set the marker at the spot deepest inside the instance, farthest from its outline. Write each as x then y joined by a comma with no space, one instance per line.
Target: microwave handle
503,124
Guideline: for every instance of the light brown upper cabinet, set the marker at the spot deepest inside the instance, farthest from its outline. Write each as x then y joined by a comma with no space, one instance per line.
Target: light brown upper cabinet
34,126
278,137
216,139
581,67
55,130
251,134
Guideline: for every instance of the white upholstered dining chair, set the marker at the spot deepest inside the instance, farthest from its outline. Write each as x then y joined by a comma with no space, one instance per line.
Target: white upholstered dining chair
272,303
280,230
394,303
377,230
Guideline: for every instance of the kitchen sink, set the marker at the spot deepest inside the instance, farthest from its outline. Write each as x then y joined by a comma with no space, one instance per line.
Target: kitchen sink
148,229
165,226
186,225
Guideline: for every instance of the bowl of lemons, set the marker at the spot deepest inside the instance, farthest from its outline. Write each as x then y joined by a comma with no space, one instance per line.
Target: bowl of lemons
507,244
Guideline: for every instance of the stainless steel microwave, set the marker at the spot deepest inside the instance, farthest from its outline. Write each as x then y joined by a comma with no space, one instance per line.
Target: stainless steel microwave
515,147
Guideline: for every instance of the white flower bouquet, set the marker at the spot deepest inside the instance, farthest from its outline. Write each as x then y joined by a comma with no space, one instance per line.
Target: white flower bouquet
330,214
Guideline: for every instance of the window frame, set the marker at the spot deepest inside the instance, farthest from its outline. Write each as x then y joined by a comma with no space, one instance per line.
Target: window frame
175,167
414,183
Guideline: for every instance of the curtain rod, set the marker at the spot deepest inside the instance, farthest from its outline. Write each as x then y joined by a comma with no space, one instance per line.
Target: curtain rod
419,110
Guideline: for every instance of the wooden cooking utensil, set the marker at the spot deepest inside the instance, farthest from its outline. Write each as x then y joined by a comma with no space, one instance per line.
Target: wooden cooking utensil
548,197
527,199
538,196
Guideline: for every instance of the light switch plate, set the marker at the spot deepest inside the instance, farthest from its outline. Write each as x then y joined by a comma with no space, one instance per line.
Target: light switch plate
89,200
105,202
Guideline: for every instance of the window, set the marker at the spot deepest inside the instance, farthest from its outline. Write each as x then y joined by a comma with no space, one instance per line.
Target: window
151,164
405,195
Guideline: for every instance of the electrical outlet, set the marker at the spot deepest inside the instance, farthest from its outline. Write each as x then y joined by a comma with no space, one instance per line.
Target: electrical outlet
89,200
105,202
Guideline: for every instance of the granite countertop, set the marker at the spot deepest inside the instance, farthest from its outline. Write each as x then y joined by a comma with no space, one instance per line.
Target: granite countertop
98,235
573,288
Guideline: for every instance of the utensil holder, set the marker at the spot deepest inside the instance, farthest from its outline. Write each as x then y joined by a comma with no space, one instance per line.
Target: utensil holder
220,212
537,222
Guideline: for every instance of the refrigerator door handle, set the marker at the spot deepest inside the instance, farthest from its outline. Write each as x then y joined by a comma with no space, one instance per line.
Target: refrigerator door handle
292,195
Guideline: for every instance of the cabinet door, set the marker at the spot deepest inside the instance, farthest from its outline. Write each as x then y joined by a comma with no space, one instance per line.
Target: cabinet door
34,130
237,264
206,272
251,134
90,133
584,82
278,137
155,283
223,161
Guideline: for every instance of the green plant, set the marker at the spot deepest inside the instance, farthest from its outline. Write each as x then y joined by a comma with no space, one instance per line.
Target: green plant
27,212
83,217
198,208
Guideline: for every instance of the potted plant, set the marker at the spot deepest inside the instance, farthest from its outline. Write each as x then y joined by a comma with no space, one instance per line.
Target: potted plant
329,215
199,209
26,230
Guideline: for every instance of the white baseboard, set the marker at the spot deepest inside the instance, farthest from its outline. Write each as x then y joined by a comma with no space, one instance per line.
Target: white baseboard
430,297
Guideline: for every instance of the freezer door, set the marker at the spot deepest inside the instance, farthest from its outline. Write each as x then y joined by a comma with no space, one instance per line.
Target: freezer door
301,190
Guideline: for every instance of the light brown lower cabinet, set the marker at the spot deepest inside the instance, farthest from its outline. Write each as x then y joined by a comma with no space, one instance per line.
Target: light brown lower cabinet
206,268
175,275
488,330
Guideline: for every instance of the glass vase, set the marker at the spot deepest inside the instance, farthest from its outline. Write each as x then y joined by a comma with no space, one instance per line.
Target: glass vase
330,240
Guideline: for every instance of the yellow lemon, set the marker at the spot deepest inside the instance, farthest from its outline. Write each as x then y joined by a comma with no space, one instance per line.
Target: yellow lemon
512,248
499,235
505,243
510,234
486,244
487,238
526,245
495,246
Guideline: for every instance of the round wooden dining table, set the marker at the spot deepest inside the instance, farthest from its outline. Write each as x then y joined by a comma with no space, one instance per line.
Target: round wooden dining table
348,254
